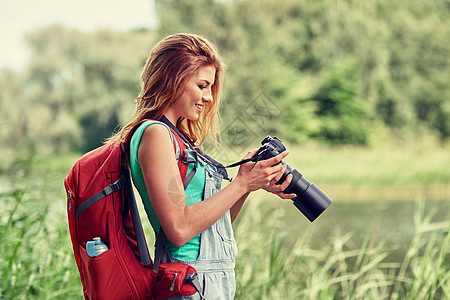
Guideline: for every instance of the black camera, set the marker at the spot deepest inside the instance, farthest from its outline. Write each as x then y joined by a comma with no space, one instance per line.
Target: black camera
310,200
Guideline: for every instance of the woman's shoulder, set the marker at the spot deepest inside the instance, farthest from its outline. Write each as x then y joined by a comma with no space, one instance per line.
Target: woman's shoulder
157,132
150,130
156,127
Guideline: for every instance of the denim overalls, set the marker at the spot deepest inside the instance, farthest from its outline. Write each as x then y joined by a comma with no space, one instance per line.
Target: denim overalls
218,250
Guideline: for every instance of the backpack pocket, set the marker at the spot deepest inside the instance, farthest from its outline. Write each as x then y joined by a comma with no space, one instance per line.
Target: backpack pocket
175,279
104,277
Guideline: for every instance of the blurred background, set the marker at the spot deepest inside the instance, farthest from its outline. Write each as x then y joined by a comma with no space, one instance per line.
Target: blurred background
358,91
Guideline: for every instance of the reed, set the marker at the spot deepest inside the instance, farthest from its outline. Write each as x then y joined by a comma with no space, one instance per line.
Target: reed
35,254
340,269
275,261
36,258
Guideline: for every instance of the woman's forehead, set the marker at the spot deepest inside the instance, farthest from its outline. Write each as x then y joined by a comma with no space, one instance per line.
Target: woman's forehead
207,73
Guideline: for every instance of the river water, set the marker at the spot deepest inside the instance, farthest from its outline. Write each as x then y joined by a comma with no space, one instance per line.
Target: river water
394,219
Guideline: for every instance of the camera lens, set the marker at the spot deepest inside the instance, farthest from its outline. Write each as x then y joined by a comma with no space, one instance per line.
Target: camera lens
310,200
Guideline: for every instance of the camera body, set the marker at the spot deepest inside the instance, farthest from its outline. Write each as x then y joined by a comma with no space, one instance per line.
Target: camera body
310,200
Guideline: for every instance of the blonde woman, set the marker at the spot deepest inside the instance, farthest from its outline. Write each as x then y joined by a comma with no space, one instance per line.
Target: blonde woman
180,85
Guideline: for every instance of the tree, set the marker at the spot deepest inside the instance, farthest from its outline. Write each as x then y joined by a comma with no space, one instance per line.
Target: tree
82,85
341,111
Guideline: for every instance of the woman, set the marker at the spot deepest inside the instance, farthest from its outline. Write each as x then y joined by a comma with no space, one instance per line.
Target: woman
180,86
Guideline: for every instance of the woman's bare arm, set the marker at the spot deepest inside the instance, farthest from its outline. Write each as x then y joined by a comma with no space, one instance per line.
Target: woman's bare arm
234,211
162,178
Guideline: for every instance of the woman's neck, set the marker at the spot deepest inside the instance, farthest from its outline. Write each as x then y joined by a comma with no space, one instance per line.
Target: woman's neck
171,116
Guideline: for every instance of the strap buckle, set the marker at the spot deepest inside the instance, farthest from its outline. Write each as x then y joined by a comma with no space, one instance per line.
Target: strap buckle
193,280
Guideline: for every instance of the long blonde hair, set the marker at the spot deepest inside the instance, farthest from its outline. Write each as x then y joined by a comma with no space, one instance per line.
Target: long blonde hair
171,63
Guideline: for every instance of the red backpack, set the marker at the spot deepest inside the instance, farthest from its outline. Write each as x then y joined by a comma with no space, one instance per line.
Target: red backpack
101,204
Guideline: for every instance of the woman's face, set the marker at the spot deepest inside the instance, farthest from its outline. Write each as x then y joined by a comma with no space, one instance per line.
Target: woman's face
197,94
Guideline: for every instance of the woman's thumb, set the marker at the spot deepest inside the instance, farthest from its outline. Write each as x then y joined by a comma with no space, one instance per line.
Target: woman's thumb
250,153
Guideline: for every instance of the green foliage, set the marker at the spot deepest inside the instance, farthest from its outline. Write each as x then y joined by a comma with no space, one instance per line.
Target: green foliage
342,113
77,89
302,70
392,56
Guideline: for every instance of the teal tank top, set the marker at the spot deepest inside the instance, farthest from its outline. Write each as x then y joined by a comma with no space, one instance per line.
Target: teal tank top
193,193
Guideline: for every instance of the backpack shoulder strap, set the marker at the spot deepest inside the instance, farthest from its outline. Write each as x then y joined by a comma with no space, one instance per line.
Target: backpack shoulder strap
187,146
141,126
181,147
140,236
183,159
142,244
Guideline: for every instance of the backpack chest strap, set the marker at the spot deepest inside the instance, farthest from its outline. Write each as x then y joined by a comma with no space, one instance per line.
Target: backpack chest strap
103,193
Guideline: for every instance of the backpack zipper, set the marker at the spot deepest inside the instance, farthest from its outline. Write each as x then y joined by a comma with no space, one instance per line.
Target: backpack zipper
173,282
69,197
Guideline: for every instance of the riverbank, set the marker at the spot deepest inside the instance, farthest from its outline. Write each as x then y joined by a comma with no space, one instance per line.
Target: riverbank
378,237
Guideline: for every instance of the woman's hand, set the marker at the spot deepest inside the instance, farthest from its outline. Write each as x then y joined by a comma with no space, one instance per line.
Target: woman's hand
278,189
263,174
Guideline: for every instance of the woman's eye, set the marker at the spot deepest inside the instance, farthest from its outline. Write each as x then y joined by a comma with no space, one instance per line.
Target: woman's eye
202,87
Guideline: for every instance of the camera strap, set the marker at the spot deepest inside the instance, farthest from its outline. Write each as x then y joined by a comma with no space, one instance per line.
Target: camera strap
255,159
221,169
236,164
190,145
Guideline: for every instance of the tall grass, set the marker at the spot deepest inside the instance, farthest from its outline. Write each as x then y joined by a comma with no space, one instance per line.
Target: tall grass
340,269
36,259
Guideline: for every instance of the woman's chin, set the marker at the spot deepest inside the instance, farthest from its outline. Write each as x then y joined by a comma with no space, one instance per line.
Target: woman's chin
193,117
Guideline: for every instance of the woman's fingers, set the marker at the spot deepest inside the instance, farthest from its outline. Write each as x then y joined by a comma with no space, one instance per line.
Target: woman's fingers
274,188
275,160
278,189
270,172
286,183
250,153
285,196
280,174
264,173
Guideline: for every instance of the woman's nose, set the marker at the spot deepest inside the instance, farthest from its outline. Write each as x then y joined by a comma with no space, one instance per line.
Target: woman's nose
207,97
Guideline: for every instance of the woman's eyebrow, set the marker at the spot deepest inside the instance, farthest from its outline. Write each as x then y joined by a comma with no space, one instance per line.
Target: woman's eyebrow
206,81
209,83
